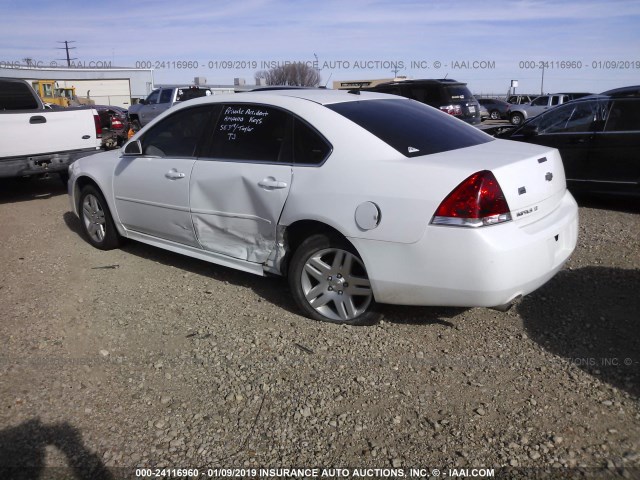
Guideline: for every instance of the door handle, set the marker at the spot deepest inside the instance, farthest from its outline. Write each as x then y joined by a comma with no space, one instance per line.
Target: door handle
173,174
271,183
37,119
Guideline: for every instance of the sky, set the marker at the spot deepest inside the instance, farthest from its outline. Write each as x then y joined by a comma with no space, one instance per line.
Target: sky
579,45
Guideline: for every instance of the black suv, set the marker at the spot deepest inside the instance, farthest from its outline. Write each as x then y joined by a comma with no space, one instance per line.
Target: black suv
448,95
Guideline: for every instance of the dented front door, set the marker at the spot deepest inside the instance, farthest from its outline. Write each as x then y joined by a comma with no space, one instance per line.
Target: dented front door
235,206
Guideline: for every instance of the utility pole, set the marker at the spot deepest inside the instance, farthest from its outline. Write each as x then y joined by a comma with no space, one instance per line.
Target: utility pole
542,83
67,48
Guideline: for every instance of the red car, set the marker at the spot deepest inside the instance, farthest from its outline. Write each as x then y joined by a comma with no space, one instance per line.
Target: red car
115,125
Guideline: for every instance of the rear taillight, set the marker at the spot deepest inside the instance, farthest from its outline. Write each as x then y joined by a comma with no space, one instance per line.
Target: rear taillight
476,202
116,124
96,120
452,109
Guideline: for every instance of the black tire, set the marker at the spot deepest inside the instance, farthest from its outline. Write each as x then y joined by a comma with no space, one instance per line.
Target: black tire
494,115
64,177
328,270
96,220
516,118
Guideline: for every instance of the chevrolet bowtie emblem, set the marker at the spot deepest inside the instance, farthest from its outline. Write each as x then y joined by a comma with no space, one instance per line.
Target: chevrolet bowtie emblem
548,176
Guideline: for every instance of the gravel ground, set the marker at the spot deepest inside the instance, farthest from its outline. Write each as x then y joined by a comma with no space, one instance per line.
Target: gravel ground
140,357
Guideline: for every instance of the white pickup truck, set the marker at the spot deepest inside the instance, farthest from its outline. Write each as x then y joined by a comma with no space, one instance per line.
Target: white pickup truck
35,140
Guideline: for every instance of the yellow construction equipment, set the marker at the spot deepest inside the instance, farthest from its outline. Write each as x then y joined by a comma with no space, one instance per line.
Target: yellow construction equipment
50,92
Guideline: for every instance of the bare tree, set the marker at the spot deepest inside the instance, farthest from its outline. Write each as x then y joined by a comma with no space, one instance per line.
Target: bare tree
294,74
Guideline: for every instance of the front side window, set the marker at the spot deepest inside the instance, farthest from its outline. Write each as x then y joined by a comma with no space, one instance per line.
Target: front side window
251,132
410,127
177,135
153,96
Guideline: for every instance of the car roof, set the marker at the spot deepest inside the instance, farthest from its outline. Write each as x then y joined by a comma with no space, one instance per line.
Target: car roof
317,95
633,91
422,81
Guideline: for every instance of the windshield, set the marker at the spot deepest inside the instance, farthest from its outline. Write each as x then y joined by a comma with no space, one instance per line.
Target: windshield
411,127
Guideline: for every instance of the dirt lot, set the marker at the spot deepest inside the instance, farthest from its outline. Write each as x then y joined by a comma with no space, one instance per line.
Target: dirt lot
140,357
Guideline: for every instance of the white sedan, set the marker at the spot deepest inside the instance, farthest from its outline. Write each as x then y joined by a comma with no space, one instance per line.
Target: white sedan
358,198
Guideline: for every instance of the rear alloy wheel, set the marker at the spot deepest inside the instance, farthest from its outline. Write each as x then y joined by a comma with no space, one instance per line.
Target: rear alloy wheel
329,282
97,223
516,118
495,115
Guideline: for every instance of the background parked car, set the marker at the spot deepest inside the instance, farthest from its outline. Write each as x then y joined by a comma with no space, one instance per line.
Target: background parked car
497,108
162,99
598,137
484,113
115,125
448,95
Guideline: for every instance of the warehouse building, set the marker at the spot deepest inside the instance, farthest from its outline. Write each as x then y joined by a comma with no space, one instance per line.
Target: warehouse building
117,86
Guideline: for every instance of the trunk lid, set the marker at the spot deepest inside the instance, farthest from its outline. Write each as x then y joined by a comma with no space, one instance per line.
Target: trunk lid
531,177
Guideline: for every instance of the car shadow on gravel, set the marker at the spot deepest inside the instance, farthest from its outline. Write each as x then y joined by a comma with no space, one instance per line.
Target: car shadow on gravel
274,289
14,190
590,317
23,453
73,223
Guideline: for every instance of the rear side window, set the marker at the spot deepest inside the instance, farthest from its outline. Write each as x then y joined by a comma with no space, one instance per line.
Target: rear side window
410,127
165,96
309,147
624,116
16,96
541,101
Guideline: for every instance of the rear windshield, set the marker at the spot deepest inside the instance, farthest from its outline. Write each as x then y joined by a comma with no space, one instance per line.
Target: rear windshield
458,92
411,127
16,96
185,94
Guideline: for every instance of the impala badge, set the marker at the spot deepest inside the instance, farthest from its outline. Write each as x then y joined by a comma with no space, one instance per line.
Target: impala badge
548,176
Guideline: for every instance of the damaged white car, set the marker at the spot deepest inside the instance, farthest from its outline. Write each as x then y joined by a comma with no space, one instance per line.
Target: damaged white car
358,198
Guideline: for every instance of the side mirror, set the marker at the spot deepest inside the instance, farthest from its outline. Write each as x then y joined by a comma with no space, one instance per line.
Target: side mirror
133,148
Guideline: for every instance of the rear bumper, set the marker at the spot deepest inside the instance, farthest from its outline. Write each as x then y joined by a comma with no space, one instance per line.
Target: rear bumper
39,164
484,267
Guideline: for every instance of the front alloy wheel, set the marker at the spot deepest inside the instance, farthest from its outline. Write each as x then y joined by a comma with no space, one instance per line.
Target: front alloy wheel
96,219
517,118
330,283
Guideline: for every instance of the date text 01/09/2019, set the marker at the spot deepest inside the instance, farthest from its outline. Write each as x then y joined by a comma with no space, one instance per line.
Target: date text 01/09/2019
579,64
